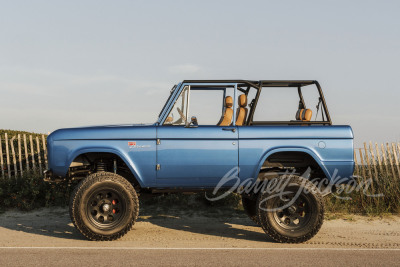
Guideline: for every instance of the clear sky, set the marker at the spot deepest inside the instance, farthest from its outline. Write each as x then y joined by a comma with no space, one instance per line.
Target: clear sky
73,63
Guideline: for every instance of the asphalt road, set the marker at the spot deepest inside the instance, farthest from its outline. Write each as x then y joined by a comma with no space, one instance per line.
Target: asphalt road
47,238
68,256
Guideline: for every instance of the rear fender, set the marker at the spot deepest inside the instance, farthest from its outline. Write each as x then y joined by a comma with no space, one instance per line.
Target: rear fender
272,151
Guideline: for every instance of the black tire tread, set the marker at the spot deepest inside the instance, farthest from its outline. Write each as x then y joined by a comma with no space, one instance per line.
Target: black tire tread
276,236
77,194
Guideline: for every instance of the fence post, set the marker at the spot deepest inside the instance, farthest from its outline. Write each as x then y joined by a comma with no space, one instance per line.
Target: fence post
355,163
26,154
1,158
32,154
362,164
39,158
14,158
390,159
373,160
384,159
398,151
8,157
379,158
396,160
398,148
45,152
20,155
367,160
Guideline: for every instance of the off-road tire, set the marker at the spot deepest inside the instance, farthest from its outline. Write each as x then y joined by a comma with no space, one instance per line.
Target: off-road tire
79,203
250,208
279,231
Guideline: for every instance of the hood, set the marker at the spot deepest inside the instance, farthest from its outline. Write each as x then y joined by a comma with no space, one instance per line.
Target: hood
105,132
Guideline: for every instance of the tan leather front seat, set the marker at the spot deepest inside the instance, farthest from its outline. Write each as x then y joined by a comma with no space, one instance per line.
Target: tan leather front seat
228,114
242,112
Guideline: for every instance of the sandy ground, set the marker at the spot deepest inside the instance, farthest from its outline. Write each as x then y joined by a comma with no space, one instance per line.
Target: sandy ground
52,228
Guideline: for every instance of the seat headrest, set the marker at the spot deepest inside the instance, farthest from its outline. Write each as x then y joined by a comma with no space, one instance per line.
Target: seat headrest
304,115
242,101
228,102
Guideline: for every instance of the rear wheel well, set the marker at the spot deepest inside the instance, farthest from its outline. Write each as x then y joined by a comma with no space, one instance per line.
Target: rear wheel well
88,163
293,161
290,163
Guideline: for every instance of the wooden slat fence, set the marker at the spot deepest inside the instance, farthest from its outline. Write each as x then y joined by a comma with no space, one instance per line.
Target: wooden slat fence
22,154
378,161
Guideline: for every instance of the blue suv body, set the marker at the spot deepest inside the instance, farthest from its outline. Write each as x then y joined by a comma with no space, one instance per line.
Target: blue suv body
180,153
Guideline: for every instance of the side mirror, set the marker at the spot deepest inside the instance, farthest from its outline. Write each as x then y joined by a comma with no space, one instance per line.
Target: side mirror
193,122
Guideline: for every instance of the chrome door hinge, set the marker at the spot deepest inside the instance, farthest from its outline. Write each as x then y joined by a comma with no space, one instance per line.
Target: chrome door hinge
158,167
158,141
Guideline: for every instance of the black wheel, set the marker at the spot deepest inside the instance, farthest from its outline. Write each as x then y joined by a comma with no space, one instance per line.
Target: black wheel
295,215
250,208
104,206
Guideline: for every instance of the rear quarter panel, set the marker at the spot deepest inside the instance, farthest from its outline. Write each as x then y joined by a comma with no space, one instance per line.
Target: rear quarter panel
330,146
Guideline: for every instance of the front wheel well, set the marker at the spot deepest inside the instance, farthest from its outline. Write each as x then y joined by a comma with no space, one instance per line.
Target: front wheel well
88,163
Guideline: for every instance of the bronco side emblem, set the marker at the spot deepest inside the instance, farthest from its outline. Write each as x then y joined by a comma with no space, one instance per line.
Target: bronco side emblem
131,144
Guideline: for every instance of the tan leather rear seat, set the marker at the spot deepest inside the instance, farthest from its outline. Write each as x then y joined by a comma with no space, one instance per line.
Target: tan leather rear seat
304,115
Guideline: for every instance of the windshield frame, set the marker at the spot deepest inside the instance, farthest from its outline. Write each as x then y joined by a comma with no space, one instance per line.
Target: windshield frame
173,91
182,85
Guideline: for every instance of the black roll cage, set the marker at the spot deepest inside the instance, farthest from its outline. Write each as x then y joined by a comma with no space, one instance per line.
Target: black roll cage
245,85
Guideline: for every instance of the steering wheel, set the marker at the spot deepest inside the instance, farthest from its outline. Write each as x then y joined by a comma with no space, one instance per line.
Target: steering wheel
182,115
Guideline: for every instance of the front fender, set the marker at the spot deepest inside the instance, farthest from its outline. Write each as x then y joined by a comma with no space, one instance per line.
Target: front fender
121,154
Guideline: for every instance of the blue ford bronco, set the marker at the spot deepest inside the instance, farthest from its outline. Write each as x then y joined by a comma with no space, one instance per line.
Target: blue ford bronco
271,141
